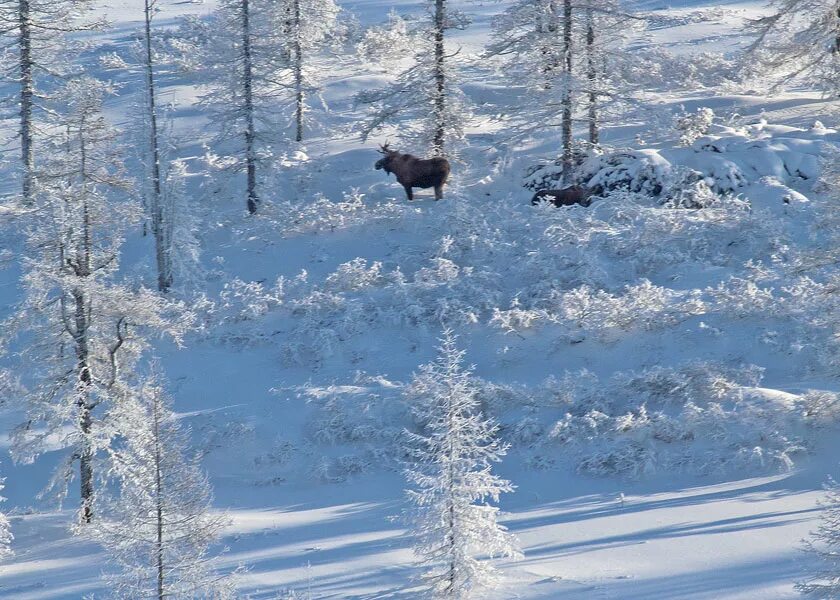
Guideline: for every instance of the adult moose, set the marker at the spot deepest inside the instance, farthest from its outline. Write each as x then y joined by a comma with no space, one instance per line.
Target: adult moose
413,172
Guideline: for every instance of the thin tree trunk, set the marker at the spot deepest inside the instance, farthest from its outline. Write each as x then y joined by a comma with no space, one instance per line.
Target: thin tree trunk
440,80
158,501
549,61
159,223
298,69
837,37
250,132
27,95
86,456
83,269
592,78
567,91
451,500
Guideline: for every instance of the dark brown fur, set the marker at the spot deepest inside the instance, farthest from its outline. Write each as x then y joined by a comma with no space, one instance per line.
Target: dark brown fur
565,197
415,172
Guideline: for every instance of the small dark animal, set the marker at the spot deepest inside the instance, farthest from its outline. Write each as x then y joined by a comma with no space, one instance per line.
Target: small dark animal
414,172
566,197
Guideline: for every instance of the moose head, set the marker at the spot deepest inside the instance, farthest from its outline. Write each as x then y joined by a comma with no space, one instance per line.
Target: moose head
389,155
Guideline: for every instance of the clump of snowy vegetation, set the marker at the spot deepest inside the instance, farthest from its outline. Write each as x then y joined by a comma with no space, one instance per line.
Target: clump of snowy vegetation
691,126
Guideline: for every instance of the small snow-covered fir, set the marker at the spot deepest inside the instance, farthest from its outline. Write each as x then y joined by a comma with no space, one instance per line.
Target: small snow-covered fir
452,525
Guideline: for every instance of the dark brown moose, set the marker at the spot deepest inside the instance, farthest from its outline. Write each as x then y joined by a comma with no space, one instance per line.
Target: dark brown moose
566,197
413,172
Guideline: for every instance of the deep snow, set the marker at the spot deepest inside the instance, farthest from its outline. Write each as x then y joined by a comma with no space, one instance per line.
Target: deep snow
293,391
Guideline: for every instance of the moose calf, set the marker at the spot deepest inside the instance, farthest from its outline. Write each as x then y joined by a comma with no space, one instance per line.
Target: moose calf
566,197
414,172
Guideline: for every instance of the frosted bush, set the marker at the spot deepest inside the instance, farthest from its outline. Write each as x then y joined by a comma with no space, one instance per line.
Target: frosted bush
386,43
742,298
643,306
688,188
248,300
640,171
322,214
692,125
517,319
697,418
820,408
356,275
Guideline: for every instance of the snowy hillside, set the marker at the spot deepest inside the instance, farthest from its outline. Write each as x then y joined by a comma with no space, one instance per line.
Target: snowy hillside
661,364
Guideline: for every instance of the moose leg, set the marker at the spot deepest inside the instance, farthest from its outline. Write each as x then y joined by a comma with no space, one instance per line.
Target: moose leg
408,192
439,192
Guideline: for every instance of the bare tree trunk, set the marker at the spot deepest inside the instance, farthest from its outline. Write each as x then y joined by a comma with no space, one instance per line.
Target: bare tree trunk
567,91
250,132
298,70
83,269
158,501
85,416
592,78
452,591
440,80
159,223
549,26
27,95
836,47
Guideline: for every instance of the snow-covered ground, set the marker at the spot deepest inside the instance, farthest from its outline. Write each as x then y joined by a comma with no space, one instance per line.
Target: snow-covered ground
653,368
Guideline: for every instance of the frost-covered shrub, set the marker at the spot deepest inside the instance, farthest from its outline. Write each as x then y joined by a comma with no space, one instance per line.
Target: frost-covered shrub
641,171
643,306
547,175
516,318
248,300
692,125
742,298
688,188
322,214
356,275
820,408
356,426
698,418
386,43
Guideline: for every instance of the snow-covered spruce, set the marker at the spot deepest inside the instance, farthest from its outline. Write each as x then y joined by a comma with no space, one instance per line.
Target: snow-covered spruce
85,331
156,206
451,523
238,72
160,527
